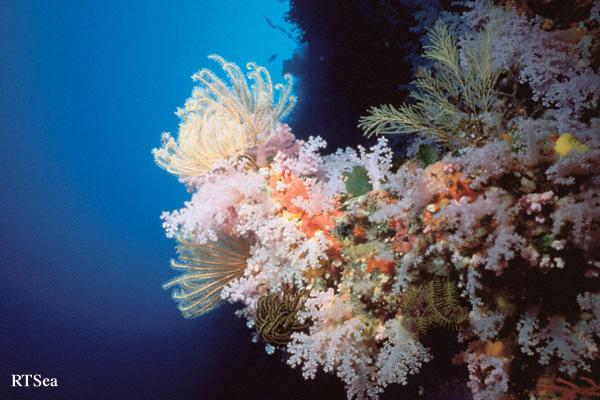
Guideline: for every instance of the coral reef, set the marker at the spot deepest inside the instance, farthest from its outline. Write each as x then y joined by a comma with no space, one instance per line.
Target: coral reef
355,263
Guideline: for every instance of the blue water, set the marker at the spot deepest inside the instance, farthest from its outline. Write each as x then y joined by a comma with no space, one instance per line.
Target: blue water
86,89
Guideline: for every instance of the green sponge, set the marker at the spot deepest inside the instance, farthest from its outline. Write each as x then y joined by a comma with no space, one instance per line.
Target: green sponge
357,181
427,154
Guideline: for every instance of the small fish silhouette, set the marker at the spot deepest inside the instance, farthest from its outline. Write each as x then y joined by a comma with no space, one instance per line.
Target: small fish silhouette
278,27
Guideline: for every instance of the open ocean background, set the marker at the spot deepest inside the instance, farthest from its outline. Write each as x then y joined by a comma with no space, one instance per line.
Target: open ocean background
86,89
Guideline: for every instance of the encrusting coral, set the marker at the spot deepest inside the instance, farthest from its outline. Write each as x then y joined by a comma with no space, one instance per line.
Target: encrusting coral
350,264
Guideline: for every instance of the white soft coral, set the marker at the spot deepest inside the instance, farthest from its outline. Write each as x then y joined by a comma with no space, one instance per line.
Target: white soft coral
335,343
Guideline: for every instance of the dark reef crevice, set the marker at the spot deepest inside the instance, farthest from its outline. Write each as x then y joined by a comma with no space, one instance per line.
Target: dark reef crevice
351,55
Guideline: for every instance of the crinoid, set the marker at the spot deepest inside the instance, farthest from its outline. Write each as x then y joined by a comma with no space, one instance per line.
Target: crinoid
449,99
444,303
207,268
416,312
435,303
222,120
277,315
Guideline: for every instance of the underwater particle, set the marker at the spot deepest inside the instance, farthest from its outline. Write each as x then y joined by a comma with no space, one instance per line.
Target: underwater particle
277,316
207,268
566,143
357,181
224,119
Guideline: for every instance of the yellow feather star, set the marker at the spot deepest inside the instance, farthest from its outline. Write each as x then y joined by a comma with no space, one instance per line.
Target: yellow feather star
222,120
207,268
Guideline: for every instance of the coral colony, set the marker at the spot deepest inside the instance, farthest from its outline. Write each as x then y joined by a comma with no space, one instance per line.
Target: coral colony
486,230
